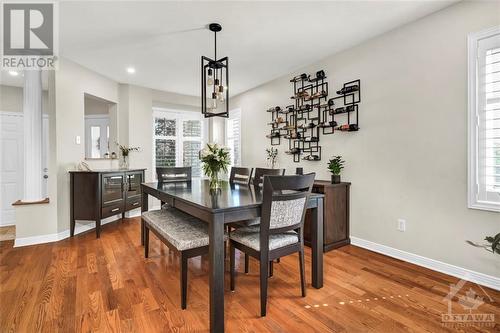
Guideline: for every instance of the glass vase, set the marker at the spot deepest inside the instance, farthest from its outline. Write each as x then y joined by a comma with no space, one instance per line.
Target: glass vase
124,162
214,181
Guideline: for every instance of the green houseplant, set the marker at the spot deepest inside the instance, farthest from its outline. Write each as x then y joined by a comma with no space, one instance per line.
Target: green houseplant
335,166
493,245
215,160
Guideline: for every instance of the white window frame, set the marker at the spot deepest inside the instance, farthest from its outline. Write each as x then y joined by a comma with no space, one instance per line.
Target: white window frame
473,115
234,114
179,116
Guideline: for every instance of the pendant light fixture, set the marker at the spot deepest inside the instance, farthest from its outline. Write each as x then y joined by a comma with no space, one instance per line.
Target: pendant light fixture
214,82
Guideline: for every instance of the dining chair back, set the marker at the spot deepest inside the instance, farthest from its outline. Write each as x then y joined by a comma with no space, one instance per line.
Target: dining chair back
280,233
173,174
240,175
261,172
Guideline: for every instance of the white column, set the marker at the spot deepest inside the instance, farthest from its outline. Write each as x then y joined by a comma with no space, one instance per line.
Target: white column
32,114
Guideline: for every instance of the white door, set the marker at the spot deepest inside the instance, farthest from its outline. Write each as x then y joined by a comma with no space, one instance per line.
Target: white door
11,164
96,136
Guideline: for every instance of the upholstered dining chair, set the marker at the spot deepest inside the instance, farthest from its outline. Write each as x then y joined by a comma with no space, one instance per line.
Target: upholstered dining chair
173,174
280,232
257,183
261,172
182,233
240,175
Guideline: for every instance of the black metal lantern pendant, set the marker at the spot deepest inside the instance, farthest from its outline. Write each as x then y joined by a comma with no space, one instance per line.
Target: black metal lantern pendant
214,82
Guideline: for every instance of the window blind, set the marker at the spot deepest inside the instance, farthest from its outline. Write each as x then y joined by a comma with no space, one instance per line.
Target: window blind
484,92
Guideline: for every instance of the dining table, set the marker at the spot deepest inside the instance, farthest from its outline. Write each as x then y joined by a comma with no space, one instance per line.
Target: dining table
227,204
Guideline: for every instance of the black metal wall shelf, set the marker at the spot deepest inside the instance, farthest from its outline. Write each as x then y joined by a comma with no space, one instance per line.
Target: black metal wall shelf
312,113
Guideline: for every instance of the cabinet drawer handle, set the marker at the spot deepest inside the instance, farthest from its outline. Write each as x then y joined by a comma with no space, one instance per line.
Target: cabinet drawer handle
115,209
135,203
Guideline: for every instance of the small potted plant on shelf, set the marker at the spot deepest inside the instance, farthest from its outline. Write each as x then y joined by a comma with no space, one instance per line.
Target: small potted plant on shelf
125,151
215,159
335,166
272,156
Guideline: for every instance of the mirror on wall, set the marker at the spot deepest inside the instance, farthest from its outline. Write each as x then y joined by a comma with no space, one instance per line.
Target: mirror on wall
100,128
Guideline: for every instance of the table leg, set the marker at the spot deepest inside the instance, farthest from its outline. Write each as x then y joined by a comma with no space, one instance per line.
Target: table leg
144,208
216,257
317,244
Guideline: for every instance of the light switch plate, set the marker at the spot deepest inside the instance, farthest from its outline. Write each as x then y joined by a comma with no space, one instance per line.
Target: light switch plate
401,225
78,140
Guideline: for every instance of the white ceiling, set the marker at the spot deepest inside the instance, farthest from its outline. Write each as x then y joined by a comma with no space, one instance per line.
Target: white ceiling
264,40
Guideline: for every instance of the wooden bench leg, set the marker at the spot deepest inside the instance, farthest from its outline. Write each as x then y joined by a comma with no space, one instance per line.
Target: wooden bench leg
142,231
232,254
145,239
183,278
246,263
271,268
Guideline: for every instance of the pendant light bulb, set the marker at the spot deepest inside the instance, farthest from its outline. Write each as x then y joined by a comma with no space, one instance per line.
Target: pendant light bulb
214,100
210,77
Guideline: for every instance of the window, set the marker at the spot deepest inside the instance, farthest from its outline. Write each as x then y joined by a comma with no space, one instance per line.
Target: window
178,138
233,136
484,119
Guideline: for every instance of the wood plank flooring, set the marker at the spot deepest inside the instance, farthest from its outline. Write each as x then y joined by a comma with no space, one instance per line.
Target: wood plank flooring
88,285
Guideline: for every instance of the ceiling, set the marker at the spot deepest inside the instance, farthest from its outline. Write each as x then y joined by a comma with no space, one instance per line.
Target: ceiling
163,41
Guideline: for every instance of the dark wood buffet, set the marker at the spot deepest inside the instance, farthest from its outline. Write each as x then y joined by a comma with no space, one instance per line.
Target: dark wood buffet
96,195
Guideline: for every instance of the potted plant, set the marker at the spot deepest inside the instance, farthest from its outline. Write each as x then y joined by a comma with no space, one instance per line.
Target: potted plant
493,245
272,156
215,159
125,151
335,166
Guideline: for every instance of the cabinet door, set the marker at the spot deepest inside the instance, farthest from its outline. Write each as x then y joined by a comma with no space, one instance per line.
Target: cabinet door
134,180
112,188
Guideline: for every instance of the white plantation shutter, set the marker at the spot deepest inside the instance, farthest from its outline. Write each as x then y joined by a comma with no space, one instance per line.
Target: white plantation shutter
178,138
233,136
484,118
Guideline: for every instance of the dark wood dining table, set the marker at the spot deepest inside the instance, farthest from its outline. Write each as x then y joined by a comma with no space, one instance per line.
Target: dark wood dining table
231,203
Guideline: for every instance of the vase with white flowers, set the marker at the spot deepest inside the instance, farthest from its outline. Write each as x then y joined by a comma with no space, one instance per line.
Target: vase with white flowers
215,160
272,157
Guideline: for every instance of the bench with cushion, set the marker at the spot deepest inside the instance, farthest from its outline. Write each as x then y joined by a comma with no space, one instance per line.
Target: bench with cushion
182,233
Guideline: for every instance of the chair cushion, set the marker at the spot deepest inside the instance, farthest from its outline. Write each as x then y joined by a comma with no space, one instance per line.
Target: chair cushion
181,230
250,236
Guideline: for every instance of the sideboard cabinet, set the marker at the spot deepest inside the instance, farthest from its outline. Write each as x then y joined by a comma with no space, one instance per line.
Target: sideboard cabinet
335,214
96,195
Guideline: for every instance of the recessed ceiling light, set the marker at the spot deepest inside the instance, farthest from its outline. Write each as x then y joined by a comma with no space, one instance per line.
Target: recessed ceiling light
130,70
13,73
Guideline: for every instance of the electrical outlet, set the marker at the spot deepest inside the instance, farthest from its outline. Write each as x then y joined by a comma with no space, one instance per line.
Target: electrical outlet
78,140
401,225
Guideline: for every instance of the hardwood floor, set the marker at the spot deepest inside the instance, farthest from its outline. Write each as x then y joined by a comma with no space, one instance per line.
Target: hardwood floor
86,284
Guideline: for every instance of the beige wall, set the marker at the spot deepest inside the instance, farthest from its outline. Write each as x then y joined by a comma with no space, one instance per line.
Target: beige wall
409,160
72,82
11,99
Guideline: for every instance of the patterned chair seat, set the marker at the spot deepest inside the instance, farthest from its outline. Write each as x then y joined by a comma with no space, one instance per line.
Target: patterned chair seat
250,236
181,230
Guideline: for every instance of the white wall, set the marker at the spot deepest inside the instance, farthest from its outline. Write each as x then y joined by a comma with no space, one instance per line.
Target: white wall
409,159
11,99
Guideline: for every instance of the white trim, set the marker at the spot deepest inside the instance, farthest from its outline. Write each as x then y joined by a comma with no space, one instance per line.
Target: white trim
472,188
79,228
459,272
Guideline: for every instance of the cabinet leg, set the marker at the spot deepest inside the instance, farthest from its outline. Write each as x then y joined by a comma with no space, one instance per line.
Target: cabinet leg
123,216
98,228
72,228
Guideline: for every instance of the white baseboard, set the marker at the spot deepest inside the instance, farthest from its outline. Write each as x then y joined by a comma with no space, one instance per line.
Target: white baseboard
79,228
459,272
